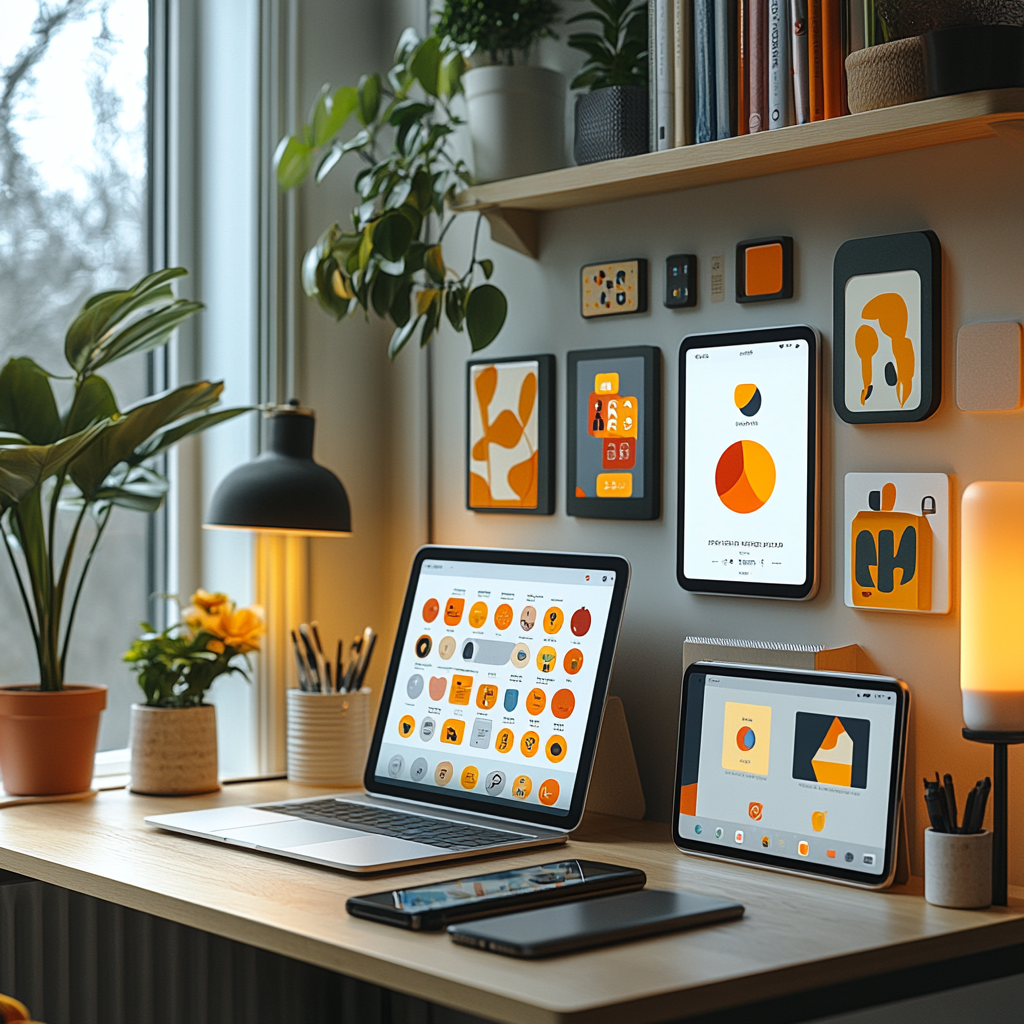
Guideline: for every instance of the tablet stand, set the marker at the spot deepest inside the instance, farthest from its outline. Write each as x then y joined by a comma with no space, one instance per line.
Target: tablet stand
615,782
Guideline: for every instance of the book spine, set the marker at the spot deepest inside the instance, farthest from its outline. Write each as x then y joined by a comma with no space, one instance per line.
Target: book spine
704,70
780,76
858,25
742,71
723,79
663,75
832,72
801,92
757,35
682,72
652,90
816,83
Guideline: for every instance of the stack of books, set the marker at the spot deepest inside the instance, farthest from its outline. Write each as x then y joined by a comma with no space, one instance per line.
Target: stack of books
721,68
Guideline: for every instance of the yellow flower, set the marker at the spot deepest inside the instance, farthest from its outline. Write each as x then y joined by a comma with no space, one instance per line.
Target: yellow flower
216,614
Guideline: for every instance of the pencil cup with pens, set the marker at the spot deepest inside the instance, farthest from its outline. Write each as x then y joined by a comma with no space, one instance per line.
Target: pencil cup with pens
329,711
957,857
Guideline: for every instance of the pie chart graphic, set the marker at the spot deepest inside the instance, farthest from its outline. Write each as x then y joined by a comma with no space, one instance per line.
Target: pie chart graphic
747,398
745,476
745,738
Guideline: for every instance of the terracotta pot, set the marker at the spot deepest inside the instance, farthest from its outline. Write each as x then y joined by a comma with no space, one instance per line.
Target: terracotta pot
48,739
174,750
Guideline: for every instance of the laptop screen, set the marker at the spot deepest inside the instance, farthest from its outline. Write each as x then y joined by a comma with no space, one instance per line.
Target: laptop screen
495,682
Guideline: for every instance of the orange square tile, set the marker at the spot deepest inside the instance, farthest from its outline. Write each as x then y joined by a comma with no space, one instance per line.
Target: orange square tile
763,269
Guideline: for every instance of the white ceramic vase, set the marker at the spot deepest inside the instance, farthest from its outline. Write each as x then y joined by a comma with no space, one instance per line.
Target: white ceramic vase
174,750
958,869
328,737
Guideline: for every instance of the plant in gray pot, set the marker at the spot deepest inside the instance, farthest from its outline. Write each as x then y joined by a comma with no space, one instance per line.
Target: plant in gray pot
611,118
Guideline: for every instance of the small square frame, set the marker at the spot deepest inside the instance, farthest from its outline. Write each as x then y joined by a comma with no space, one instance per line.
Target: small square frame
642,286
786,291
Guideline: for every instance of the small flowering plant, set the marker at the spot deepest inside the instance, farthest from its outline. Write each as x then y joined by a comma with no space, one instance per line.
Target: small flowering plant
175,668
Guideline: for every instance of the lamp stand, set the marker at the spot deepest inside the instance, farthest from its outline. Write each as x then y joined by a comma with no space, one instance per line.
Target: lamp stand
1000,784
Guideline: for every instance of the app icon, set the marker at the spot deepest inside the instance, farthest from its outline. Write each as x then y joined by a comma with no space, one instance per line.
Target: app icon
453,611
443,773
848,857
536,701
511,700
553,619
698,829
406,725
529,744
453,730
395,766
765,842
503,615
415,686
430,609
831,854
869,859
528,618
446,647
521,787
486,696
461,688
739,836
478,615
802,848
427,727
423,646
520,656
746,737
436,687
481,735
418,769
548,792
580,622
831,750
563,703
494,783
505,742
781,843
546,659
718,833
754,809
555,748
573,660
818,820
470,777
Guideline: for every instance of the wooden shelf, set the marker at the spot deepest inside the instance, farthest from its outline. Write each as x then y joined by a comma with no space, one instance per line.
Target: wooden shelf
513,207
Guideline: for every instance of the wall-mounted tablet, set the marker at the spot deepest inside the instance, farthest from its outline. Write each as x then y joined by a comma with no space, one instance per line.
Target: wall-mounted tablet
748,463
796,771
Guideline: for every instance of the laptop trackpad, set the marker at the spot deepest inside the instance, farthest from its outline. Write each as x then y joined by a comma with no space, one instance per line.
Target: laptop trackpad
286,834
368,850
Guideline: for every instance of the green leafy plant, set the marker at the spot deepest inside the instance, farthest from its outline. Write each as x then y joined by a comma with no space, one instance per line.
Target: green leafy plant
93,456
498,28
617,54
387,262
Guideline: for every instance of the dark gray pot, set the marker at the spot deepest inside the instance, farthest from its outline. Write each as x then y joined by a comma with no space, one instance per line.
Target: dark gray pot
611,123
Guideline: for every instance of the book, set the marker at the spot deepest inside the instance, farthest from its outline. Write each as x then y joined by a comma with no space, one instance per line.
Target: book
858,25
780,77
832,69
652,93
816,85
742,73
725,68
663,61
682,72
798,43
704,70
757,43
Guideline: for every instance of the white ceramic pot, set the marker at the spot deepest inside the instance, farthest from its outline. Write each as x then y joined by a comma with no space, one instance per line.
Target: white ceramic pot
174,750
958,869
328,737
516,120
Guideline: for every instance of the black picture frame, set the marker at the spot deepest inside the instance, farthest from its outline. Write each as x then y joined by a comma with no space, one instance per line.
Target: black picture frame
545,435
913,250
648,506
786,291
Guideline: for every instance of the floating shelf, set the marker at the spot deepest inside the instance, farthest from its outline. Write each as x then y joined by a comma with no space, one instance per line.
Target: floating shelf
513,207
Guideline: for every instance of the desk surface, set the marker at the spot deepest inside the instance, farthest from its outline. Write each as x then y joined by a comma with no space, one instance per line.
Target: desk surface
797,934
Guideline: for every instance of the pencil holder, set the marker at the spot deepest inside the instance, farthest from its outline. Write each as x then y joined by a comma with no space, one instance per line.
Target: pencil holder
958,869
328,737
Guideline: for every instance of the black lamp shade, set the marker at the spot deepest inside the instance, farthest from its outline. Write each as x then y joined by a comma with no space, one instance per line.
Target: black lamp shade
283,490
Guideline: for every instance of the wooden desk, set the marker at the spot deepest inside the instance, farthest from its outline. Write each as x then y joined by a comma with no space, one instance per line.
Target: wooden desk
797,934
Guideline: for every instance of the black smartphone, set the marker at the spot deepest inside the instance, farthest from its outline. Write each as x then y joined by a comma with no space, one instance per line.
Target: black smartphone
599,922
431,907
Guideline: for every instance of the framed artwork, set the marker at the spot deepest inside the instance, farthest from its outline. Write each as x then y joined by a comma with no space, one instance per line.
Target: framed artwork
510,464
897,542
887,328
612,289
613,456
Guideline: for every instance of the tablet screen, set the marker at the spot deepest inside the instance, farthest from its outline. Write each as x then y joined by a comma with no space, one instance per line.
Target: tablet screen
799,771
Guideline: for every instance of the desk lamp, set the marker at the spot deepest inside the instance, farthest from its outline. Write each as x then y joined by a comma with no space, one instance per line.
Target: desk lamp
992,638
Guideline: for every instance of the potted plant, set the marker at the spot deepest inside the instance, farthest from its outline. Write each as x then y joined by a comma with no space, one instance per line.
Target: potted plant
174,733
516,110
391,262
612,116
88,458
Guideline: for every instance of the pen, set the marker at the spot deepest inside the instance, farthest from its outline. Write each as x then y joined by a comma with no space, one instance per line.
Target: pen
947,783
310,655
986,788
936,809
365,663
321,665
337,666
970,807
298,662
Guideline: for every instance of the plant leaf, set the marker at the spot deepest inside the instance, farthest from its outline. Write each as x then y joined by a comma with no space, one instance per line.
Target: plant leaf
401,336
426,63
368,98
487,266
486,309
150,332
161,442
334,154
392,235
93,401
27,405
434,262
292,162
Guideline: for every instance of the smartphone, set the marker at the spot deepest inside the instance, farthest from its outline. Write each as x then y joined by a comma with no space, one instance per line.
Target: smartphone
432,907
599,922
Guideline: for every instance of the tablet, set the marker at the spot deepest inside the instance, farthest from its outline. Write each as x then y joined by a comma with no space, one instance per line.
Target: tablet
794,771
748,463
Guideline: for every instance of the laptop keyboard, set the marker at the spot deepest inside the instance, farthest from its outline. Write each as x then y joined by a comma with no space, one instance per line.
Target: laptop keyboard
434,831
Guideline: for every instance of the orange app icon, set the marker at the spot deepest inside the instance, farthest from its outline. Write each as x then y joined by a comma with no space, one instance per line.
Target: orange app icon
563,703
430,610
546,658
423,645
453,611
406,725
831,854
553,619
529,744
802,848
755,809
462,687
505,742
453,730
478,615
503,616
521,787
573,661
486,696
555,748
443,773
548,792
818,820
536,701
470,777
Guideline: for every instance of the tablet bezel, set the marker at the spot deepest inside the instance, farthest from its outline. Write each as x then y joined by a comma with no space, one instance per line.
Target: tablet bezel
786,591
535,814
847,680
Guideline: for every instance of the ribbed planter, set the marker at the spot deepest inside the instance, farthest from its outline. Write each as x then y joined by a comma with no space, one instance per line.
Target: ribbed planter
885,75
174,750
611,123
328,737
48,739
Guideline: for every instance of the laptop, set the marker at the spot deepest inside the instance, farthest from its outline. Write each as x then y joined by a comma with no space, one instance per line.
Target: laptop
488,723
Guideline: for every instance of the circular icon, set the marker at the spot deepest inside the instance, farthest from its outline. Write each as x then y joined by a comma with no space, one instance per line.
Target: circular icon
765,842
546,659
415,686
573,660
527,618
505,741
446,647
418,769
718,833
745,476
548,792
406,725
529,744
478,615
553,619
580,622
395,766
503,616
747,398
521,787
470,777
520,656
848,857
423,646
555,748
536,701
436,686
443,773
427,727
494,783
698,829
430,610
745,738
563,703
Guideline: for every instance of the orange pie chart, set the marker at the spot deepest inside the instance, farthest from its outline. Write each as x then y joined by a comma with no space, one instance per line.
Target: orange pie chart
745,476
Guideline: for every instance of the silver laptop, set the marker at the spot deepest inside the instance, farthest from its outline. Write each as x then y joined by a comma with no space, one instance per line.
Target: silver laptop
488,724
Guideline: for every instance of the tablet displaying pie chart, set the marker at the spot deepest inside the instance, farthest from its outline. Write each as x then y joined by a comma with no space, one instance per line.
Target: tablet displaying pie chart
745,476
745,738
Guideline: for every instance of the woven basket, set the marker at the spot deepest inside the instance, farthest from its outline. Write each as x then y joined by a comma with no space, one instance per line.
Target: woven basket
886,75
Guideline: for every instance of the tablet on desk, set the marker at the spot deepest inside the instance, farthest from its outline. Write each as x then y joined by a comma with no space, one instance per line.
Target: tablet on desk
796,771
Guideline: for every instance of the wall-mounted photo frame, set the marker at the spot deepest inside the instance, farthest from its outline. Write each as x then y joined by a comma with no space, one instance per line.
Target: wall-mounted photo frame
613,289
510,459
613,435
887,328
